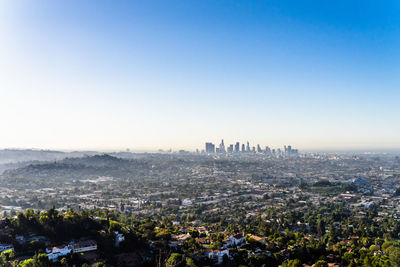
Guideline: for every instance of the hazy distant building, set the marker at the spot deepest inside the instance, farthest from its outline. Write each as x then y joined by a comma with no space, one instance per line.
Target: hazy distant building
259,150
290,152
237,147
210,148
287,151
222,147
230,149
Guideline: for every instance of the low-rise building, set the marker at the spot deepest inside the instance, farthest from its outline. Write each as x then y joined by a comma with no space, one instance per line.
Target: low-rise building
235,240
118,238
217,255
84,246
54,252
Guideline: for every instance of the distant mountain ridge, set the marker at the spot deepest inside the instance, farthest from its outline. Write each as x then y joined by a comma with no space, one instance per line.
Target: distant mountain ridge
17,158
81,167
21,155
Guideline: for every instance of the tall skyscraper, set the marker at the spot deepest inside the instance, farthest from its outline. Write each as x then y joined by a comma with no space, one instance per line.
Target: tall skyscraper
243,148
248,147
237,147
210,148
259,150
222,147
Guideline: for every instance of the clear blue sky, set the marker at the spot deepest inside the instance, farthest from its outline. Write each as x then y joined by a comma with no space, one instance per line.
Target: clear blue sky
174,74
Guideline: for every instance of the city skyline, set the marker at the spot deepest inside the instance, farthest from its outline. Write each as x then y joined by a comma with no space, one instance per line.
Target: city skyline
151,75
237,148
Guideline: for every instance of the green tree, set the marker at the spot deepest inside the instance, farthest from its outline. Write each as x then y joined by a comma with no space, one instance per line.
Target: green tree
41,260
190,262
27,263
176,260
394,256
293,263
7,255
321,263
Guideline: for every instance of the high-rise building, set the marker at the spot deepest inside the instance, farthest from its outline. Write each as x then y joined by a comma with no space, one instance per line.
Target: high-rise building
292,152
210,148
230,149
222,147
259,150
287,151
237,147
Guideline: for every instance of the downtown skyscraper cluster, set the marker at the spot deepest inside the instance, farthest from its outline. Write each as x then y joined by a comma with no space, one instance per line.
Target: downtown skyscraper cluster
237,148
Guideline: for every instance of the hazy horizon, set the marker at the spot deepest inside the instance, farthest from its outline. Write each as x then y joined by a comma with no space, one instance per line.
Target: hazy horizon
175,74
378,150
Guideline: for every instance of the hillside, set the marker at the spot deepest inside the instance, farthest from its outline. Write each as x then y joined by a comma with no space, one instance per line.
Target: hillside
78,168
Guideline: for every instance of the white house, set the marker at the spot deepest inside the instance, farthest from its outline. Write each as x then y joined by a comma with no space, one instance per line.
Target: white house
176,240
118,238
235,240
218,255
187,202
54,252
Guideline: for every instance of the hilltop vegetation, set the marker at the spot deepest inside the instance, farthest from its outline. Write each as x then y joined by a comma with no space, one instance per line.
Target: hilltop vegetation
326,234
